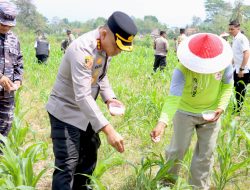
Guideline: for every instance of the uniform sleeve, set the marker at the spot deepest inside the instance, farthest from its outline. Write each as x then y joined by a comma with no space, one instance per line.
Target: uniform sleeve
244,44
106,91
18,67
167,45
172,101
81,77
226,88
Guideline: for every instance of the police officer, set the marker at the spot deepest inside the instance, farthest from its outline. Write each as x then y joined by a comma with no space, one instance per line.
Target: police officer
42,48
71,37
11,65
74,115
161,49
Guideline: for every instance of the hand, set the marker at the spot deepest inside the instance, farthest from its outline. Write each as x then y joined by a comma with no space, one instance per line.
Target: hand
218,113
7,84
114,101
113,138
158,132
241,74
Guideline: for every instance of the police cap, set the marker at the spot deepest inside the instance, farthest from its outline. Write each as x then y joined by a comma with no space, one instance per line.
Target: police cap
8,13
124,29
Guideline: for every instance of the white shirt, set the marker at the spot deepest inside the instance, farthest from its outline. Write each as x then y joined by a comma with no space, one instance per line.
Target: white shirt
180,39
240,44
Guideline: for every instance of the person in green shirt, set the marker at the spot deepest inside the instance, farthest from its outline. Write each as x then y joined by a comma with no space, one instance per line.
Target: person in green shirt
201,82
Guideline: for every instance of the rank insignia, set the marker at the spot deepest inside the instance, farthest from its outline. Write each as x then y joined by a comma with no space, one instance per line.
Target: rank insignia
88,62
98,44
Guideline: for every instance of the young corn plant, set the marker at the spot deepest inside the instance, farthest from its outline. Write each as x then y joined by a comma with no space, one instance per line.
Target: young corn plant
230,167
146,176
101,167
20,167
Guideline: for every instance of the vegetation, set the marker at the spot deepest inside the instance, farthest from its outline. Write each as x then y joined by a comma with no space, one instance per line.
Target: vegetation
27,160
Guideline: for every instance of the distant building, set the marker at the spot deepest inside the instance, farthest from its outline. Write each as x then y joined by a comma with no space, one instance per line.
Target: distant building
190,31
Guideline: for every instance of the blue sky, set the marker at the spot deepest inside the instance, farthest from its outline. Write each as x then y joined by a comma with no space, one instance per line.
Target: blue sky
171,12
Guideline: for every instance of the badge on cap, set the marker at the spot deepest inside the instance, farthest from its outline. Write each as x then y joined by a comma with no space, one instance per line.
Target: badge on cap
88,62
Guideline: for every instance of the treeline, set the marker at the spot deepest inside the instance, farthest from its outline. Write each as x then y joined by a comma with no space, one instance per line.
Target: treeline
218,15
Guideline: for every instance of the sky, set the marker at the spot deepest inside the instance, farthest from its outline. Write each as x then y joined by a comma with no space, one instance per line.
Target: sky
174,13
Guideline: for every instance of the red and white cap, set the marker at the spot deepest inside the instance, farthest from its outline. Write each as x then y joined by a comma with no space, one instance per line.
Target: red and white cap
205,53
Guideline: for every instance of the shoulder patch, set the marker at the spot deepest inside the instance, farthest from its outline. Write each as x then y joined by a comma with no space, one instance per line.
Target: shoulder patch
218,76
88,62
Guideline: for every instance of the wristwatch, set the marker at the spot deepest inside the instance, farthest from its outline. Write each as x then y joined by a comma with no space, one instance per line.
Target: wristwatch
242,69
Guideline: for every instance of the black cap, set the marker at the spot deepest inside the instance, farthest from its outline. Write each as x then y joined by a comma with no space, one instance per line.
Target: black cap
124,29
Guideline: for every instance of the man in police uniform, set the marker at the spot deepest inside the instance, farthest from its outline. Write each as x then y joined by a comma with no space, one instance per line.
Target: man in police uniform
74,115
161,49
11,65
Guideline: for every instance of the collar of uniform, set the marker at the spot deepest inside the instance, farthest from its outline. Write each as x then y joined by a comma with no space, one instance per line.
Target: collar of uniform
97,37
238,35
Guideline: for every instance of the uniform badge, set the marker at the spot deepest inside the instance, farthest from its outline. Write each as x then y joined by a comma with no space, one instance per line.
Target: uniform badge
99,60
88,62
94,77
218,76
98,44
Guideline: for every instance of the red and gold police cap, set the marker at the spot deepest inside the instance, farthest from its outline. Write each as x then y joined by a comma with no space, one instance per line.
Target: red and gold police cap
124,30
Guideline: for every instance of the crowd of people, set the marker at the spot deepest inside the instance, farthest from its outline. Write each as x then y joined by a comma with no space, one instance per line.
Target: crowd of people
208,66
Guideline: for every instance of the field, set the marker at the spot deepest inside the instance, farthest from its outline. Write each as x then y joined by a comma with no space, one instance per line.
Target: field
27,162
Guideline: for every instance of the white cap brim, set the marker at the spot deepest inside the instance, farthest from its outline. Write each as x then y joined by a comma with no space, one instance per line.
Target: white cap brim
204,65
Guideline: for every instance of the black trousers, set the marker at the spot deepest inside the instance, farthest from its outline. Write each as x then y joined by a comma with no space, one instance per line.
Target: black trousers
42,58
160,61
75,153
240,85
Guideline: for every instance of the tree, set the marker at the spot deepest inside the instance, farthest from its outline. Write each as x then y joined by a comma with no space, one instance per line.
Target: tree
241,12
196,21
216,7
150,18
28,15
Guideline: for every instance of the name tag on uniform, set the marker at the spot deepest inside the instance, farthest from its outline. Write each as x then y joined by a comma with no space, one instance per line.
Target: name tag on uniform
98,66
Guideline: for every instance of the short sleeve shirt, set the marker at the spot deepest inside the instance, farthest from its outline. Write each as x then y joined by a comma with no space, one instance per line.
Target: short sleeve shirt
240,44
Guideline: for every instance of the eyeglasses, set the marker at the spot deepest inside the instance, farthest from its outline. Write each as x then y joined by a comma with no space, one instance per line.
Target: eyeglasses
7,16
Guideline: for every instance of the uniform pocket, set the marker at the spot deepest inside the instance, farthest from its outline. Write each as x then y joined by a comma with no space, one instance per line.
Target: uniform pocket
13,51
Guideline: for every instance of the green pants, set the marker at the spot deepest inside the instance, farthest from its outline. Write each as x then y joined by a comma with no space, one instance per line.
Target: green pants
202,161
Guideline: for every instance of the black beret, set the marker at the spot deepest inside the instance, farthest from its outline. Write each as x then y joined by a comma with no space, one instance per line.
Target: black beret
124,29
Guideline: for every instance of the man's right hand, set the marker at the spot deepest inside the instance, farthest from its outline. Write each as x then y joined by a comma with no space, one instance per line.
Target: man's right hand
157,132
7,84
113,138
